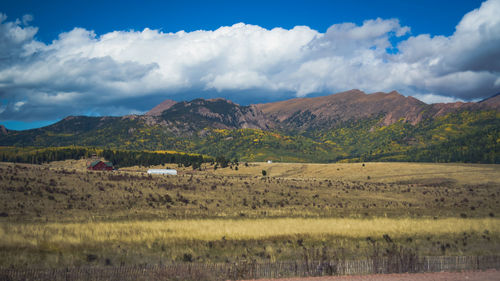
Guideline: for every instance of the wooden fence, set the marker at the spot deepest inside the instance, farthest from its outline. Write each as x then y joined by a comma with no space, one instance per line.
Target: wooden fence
251,270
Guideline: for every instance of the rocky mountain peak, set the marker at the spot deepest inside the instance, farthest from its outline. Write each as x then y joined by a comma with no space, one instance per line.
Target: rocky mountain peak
3,130
216,113
157,110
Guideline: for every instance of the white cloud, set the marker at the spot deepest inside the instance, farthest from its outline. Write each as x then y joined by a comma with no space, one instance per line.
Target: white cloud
82,72
237,81
465,65
432,98
17,41
18,105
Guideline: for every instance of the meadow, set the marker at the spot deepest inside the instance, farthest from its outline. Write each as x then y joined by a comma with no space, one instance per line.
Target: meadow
60,214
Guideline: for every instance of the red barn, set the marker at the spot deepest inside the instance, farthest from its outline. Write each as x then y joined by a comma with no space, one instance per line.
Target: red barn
99,165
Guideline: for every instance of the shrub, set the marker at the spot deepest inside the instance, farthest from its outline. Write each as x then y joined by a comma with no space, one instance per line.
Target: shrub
91,257
187,257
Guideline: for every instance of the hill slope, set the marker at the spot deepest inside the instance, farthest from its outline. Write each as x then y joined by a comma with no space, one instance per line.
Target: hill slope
354,104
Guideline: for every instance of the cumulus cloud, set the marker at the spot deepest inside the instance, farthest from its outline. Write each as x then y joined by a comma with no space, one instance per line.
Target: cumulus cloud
465,65
117,72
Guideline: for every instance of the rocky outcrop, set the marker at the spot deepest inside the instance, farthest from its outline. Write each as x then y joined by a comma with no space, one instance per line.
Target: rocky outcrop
157,110
3,130
216,113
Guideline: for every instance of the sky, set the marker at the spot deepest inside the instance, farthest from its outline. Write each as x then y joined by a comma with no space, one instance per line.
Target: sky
95,58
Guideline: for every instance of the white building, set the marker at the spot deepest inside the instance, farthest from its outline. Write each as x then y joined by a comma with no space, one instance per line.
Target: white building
171,172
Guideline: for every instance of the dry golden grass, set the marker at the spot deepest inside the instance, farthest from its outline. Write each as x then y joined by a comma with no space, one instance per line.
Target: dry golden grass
378,171
146,232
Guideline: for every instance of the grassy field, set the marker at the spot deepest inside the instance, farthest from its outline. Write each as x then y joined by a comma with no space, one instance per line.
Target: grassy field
384,172
60,214
152,242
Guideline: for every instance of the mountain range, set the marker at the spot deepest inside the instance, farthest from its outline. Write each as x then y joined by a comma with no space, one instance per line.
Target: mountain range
347,126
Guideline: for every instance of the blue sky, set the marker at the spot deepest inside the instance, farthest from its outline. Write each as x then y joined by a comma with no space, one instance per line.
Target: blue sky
121,57
53,17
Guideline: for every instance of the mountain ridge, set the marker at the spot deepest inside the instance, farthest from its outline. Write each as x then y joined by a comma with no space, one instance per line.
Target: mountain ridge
343,106
349,125
353,104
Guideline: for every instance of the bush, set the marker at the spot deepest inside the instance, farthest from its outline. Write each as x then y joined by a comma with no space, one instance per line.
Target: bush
91,257
187,257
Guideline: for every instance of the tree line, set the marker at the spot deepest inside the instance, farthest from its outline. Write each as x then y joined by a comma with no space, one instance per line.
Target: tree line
119,158
124,158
